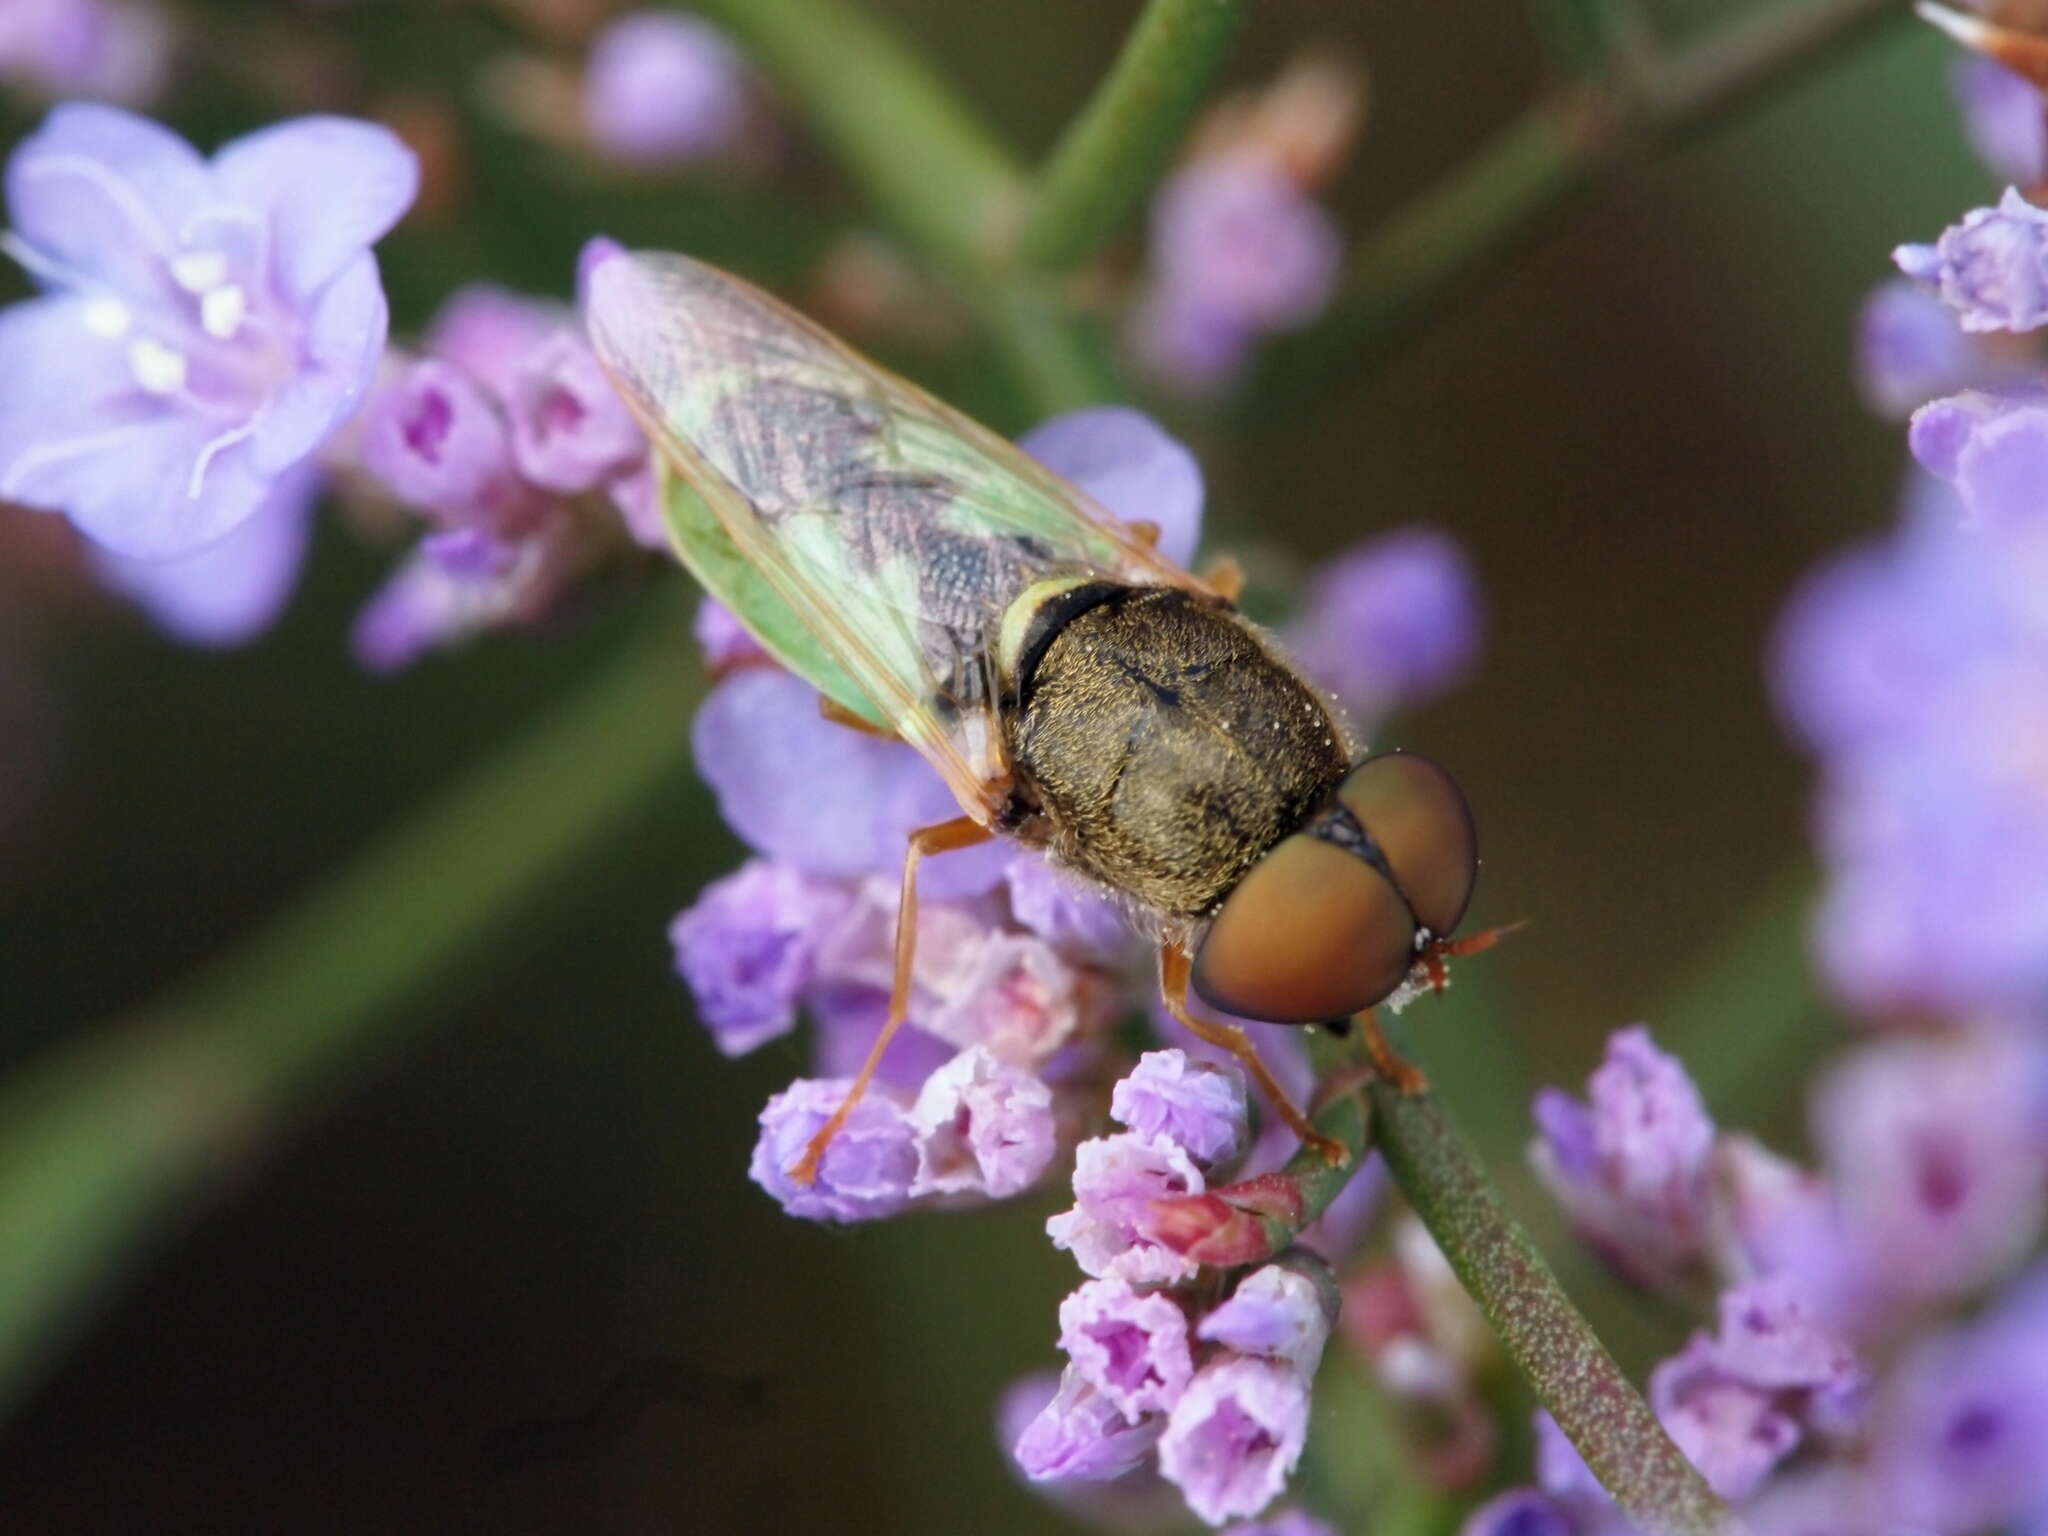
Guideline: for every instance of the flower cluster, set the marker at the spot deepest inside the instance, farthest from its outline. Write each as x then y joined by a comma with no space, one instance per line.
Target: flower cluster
1240,249
506,435
106,50
1009,1060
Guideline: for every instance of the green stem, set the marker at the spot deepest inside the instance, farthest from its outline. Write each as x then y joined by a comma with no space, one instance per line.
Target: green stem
1544,1334
102,1142
1423,254
1123,140
933,171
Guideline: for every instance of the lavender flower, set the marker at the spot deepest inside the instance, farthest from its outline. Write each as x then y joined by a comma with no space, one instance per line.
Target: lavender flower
868,1169
209,324
1993,449
1131,467
571,432
1992,268
1197,1105
1390,622
746,948
1285,1522
1235,1436
1131,1346
438,441
1082,1434
1080,923
232,590
453,586
1116,1179
1733,1431
2005,118
1238,252
724,641
1017,997
109,50
1910,349
662,86
1630,1168
983,1127
1278,1312
1772,1337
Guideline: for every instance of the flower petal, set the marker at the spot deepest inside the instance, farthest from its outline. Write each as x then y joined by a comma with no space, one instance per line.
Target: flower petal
102,192
232,590
332,187
344,337
1132,466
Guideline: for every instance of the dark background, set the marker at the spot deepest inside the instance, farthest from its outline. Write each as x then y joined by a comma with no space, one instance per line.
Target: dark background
518,1281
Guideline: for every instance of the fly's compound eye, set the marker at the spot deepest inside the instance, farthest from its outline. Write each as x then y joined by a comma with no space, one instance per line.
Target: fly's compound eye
1329,922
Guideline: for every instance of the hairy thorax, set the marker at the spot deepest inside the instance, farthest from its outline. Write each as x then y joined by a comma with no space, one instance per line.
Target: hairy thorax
1166,746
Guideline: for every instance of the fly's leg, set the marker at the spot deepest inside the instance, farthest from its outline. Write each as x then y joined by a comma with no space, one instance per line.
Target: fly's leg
1225,577
1173,987
1393,1068
839,714
960,832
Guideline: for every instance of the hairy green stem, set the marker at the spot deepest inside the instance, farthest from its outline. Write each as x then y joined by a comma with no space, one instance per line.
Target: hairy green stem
107,1138
1543,1333
1424,253
1123,140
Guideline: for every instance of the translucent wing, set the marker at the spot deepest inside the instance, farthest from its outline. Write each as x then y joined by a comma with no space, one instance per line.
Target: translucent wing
870,535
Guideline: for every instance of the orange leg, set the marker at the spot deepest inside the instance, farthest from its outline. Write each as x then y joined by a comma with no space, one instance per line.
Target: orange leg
1173,987
960,832
1145,531
839,714
1225,577
1400,1073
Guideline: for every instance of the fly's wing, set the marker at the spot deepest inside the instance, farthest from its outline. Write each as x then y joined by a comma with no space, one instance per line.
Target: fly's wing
869,535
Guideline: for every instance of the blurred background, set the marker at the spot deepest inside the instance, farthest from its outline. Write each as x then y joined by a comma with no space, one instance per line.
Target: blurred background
517,1280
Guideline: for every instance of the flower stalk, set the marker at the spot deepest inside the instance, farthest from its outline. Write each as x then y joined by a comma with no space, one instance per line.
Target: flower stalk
1119,146
1553,1346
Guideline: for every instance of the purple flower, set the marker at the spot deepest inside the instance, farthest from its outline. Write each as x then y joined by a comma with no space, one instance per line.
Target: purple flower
662,86
1082,1434
846,1018
724,640
571,432
868,1169
109,50
746,949
1961,1442
1017,997
1277,1312
760,743
1935,1157
438,442
1116,1180
453,586
1911,349
1994,450
1390,622
2004,118
1131,1346
1196,1104
1083,924
1518,1512
1234,233
1733,1431
488,332
1773,1337
1630,1167
983,1127
208,324
1758,1197
1235,1435
1992,268
232,590
1131,467
1826,1500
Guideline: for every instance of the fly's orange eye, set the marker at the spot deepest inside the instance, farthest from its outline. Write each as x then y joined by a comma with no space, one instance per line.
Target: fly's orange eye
1417,815
1326,923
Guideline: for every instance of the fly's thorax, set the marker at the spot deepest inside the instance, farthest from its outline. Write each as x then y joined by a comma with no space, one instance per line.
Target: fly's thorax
1166,744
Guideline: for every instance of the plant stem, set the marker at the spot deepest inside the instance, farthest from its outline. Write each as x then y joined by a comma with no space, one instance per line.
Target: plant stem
104,1140
1123,140
1423,253
1544,1335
